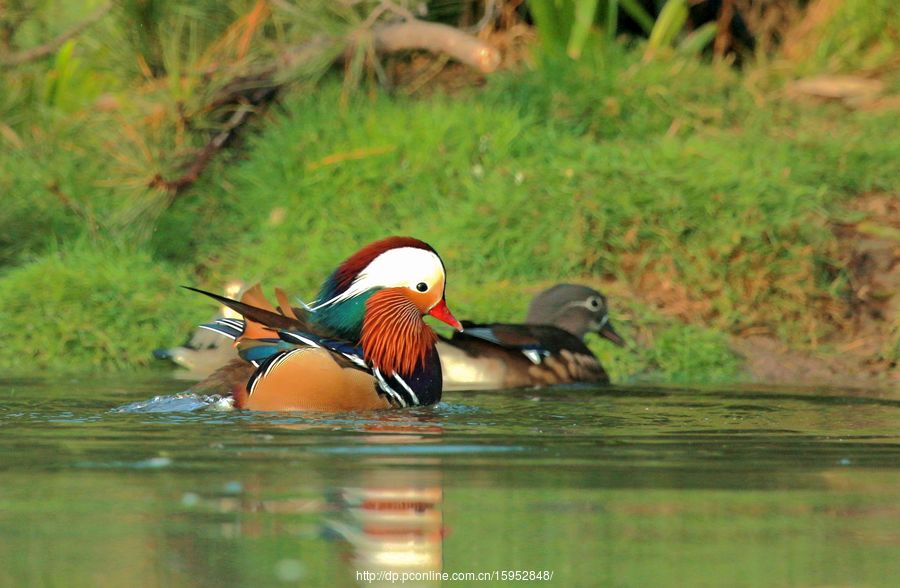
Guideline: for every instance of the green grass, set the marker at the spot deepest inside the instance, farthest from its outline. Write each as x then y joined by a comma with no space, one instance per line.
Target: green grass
701,202
863,34
92,306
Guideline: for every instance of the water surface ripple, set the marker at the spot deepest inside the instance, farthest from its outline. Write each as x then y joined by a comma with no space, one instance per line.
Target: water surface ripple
135,483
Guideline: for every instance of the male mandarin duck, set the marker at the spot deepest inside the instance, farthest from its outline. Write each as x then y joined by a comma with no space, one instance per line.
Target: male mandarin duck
362,345
548,349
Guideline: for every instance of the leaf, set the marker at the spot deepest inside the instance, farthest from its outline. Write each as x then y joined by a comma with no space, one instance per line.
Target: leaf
698,39
612,19
670,22
635,10
581,27
547,19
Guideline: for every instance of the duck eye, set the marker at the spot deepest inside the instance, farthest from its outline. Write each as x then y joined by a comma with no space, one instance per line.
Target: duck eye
422,287
594,303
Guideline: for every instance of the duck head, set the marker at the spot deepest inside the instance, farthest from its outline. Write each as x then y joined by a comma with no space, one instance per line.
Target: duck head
573,308
378,296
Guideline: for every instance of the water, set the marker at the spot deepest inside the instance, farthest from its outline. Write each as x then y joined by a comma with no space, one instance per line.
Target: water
103,484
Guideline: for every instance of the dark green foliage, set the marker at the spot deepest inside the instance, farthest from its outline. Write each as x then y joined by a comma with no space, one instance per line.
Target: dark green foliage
682,352
45,187
92,307
681,185
508,194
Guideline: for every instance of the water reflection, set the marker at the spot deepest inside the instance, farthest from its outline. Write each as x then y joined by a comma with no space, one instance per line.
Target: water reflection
626,487
384,515
391,517
393,521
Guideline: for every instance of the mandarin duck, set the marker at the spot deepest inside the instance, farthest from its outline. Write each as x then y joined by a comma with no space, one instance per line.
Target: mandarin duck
204,351
547,349
361,345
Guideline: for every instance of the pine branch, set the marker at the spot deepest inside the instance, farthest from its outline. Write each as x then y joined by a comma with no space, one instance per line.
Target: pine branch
50,47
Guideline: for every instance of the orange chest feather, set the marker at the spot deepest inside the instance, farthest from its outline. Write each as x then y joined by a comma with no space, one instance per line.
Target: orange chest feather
395,339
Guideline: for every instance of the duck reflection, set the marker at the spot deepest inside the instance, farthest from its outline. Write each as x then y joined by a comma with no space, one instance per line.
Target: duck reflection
393,521
379,511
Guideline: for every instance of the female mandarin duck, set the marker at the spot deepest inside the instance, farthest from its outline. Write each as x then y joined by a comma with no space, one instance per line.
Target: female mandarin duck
363,344
205,351
548,349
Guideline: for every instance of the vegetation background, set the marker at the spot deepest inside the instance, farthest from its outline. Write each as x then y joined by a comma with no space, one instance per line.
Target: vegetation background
726,171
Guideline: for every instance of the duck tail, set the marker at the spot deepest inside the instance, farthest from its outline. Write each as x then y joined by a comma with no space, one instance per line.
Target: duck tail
254,307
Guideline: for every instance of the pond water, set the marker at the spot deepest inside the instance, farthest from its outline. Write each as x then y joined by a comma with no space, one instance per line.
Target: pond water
130,484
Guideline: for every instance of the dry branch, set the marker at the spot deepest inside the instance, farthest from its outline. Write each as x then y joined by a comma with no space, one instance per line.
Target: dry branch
238,118
723,28
251,93
414,34
51,46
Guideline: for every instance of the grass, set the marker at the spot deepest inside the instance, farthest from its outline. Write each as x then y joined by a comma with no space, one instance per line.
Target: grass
861,34
91,306
701,203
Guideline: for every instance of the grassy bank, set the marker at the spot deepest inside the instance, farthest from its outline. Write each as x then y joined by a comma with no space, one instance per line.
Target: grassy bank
702,200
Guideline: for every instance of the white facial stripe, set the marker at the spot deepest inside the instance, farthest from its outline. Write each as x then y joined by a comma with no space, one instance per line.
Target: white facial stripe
579,303
401,267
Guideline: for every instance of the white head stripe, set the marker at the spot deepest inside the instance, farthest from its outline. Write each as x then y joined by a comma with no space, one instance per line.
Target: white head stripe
403,266
581,303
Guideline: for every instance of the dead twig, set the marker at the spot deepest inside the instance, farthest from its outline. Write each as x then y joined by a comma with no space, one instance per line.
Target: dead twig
51,46
352,155
490,15
723,28
250,93
237,119
429,74
70,203
437,38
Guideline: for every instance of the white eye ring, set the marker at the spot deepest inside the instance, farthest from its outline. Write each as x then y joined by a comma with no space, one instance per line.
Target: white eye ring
593,303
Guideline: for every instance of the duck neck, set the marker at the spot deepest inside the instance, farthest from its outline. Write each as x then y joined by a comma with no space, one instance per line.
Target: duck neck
344,319
573,323
395,339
